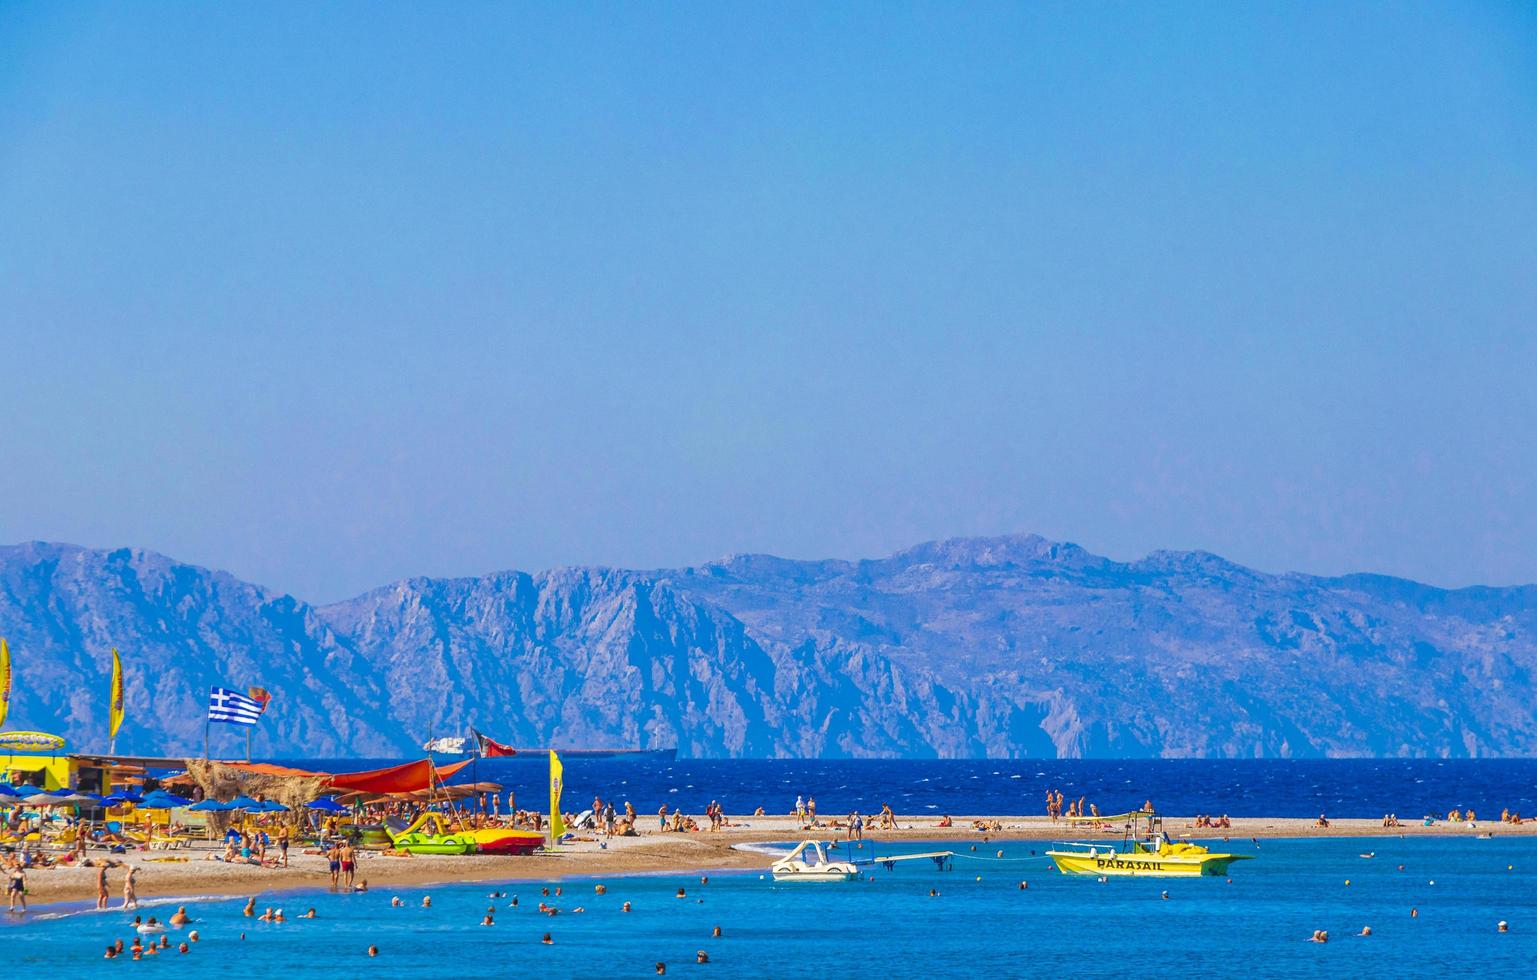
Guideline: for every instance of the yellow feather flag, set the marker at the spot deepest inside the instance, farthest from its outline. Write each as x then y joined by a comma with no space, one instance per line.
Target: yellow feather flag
557,825
5,680
115,708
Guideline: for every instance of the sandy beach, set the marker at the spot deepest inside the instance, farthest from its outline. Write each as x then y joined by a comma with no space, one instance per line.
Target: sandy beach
189,871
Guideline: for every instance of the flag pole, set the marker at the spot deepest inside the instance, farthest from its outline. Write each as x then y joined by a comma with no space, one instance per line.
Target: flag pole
205,739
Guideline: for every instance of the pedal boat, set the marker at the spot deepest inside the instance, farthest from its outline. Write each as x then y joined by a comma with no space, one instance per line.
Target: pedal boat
1144,851
809,862
430,834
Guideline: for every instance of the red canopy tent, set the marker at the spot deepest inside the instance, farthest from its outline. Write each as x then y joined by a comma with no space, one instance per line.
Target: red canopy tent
409,778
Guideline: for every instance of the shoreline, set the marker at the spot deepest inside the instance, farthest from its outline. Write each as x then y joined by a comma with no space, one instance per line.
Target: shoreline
187,873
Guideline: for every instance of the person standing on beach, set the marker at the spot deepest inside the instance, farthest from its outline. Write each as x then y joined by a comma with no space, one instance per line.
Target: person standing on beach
349,863
283,844
101,887
811,810
661,814
16,887
800,810
130,897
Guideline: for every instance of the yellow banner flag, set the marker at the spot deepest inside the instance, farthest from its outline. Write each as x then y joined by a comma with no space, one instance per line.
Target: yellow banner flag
5,680
115,705
557,824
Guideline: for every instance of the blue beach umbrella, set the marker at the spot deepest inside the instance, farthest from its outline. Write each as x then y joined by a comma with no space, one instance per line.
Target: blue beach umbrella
273,806
245,803
163,801
326,804
114,800
211,806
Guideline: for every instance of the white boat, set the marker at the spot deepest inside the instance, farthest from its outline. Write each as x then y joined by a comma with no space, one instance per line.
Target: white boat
445,746
809,862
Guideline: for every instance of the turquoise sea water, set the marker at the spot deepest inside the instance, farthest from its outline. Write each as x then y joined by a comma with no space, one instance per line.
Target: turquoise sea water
891,926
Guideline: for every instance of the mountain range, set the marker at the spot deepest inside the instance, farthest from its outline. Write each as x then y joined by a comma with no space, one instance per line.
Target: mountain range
1004,647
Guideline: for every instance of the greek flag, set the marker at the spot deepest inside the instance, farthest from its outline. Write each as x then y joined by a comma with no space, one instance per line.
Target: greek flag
232,707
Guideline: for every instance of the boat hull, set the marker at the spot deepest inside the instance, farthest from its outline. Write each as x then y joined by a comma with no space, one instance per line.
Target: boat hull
497,841
795,871
1151,865
434,844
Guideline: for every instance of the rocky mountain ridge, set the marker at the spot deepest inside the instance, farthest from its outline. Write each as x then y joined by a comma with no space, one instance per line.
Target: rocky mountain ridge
1006,646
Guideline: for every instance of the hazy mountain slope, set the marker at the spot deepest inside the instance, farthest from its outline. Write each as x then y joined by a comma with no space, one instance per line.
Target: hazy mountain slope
181,629
998,646
1177,654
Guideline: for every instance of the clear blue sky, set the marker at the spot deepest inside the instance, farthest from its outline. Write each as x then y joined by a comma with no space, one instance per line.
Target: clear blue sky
331,294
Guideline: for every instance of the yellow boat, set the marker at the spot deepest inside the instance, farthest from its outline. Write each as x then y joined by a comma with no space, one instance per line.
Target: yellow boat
1144,850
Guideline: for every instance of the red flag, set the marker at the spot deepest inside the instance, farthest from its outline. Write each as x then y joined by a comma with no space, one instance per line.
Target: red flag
260,696
490,748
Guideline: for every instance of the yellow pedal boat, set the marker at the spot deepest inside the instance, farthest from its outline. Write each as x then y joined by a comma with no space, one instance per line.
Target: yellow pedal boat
1145,850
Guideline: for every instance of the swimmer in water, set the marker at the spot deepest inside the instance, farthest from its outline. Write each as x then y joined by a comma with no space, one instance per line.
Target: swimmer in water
701,957
426,901
180,917
547,940
183,948
681,893
625,907
373,951
487,921
1365,931
250,907
308,915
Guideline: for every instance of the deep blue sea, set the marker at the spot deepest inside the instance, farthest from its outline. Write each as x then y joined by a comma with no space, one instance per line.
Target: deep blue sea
1270,788
980,925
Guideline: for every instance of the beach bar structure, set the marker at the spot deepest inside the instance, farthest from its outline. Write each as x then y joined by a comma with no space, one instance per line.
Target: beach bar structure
70,770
